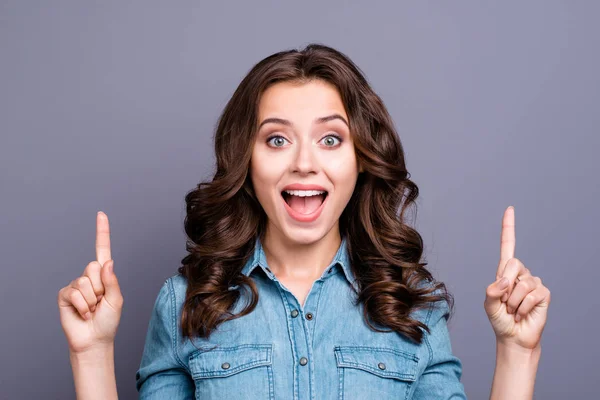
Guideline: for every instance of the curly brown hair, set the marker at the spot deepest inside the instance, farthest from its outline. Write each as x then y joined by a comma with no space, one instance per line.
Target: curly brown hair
224,217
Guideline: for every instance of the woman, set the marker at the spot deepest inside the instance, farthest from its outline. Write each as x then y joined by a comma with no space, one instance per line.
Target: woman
303,279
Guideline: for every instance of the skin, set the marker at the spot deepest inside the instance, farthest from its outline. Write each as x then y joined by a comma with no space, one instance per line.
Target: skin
298,252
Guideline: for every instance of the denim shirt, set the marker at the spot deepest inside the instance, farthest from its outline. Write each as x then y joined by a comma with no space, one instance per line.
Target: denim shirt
282,350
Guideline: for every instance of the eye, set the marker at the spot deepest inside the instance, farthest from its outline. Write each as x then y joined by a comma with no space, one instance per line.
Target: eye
330,140
276,141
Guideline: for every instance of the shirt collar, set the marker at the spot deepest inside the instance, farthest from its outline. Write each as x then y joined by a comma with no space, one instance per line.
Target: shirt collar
258,259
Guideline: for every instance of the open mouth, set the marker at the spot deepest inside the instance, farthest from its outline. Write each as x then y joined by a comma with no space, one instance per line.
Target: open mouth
304,202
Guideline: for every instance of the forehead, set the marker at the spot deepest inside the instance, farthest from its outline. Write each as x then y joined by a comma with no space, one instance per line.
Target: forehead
286,98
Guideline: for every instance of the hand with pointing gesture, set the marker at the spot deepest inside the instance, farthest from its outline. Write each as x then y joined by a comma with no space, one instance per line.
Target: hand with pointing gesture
517,303
90,306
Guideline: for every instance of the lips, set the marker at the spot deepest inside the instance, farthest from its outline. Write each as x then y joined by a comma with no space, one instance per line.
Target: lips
287,196
304,208
303,186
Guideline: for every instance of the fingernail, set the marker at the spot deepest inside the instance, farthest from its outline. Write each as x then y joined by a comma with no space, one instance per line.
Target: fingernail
87,315
509,310
517,317
93,308
503,283
504,297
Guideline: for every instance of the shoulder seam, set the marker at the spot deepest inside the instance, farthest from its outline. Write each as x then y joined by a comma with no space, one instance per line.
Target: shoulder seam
173,317
426,335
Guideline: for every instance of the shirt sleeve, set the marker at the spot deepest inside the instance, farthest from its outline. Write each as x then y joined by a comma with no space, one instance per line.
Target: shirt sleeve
162,374
441,378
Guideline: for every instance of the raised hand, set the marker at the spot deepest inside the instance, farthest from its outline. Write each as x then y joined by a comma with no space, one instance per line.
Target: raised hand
517,303
90,306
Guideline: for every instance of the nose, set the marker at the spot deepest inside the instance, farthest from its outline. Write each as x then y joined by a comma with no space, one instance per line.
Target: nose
304,161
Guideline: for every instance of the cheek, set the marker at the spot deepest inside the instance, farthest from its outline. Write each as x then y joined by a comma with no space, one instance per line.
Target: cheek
343,172
264,180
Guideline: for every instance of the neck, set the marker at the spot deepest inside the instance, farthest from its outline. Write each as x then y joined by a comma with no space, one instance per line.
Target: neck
288,259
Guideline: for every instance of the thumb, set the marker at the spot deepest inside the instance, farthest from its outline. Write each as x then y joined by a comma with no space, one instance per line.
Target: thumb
112,291
494,293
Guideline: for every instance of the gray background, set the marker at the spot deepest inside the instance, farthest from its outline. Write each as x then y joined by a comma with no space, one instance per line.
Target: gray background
111,106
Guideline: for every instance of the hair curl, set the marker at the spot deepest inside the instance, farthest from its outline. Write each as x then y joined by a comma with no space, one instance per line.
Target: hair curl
224,216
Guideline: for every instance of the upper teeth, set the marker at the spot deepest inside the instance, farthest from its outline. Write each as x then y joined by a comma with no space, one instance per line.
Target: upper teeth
303,193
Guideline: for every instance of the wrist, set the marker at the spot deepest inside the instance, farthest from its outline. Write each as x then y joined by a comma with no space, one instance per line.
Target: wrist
512,353
94,373
93,355
515,372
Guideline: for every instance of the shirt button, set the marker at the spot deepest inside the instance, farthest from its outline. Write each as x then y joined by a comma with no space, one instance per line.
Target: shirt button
309,316
294,313
303,361
225,365
381,365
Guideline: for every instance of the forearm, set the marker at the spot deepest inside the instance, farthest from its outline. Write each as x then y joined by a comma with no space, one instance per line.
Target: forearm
94,375
514,376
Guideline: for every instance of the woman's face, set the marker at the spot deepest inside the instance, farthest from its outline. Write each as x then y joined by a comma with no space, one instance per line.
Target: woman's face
303,165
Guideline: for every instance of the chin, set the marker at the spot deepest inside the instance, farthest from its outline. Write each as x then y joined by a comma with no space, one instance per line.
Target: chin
305,235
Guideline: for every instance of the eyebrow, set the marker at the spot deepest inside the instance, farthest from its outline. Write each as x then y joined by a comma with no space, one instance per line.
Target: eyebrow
320,120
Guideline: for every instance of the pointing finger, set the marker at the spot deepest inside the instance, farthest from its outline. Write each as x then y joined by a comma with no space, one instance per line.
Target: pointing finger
102,238
507,239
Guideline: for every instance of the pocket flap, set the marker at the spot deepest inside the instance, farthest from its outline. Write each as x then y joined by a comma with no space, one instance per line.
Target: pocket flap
381,361
226,361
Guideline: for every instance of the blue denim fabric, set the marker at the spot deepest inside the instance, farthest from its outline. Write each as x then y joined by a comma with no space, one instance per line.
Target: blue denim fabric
282,350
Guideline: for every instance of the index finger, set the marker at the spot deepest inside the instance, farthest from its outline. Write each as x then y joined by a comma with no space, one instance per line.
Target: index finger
102,238
507,239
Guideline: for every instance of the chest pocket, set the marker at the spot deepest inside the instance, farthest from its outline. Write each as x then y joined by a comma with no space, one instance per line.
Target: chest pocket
375,372
235,372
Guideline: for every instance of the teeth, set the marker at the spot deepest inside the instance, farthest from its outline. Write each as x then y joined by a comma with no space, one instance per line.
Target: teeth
304,193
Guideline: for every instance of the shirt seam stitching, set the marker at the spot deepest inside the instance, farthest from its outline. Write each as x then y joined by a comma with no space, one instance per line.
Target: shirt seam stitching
174,330
427,335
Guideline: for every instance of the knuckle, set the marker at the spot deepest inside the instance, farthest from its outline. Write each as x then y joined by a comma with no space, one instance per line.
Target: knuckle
83,281
527,284
94,266
529,298
73,294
